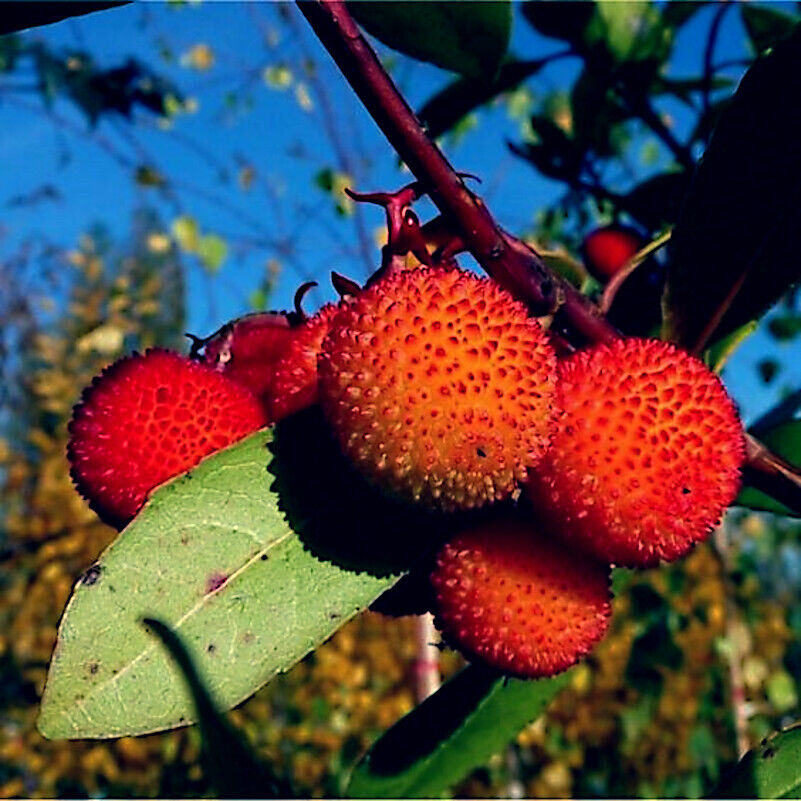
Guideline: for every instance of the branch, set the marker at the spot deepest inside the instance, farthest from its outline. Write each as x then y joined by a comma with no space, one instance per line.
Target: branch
504,257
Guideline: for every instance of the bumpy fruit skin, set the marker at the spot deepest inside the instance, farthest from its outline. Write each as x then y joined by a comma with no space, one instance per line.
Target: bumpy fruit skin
646,456
294,384
146,419
248,350
606,250
438,387
521,604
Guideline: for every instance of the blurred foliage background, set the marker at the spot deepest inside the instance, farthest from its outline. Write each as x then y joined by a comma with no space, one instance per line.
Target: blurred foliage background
704,657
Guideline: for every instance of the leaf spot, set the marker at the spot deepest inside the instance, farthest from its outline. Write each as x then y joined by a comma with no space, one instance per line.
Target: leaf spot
91,576
215,581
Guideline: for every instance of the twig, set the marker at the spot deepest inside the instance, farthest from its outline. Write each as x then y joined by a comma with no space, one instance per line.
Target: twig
781,413
507,259
640,106
610,291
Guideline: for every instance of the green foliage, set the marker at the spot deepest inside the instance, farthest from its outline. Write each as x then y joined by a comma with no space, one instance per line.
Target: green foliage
784,440
442,112
769,771
451,733
465,36
717,356
734,248
221,564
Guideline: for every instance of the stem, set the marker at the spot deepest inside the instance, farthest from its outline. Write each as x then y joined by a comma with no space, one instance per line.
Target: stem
426,663
739,707
617,280
507,259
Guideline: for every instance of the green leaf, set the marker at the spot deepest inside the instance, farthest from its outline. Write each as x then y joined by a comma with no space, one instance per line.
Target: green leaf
717,356
186,232
451,733
766,26
785,441
228,762
447,107
630,31
213,555
736,236
465,36
212,251
781,692
772,770
785,327
560,20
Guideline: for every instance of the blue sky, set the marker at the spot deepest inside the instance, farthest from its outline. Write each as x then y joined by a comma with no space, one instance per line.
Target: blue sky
286,144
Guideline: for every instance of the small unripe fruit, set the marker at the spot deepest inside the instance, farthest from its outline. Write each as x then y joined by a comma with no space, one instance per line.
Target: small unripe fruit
521,604
294,385
606,250
439,387
146,419
646,456
248,349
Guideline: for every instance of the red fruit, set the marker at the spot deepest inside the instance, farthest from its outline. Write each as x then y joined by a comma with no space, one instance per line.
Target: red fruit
606,250
519,603
146,419
438,387
646,456
294,384
248,349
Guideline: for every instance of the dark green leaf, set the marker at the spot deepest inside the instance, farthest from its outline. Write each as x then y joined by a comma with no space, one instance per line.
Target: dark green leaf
595,109
465,36
771,770
766,26
456,730
738,226
784,440
18,16
768,369
782,412
446,108
255,557
229,764
560,19
785,327
554,153
656,201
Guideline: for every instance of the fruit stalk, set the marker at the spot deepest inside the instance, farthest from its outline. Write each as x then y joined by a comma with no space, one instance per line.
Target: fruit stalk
504,257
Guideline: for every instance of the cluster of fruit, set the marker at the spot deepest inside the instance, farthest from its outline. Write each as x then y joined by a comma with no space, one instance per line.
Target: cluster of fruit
443,392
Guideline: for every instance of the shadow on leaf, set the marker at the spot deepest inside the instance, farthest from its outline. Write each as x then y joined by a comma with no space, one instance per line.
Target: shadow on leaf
338,516
228,762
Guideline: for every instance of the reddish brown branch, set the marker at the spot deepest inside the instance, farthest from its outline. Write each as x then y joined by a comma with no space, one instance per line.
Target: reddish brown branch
507,259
